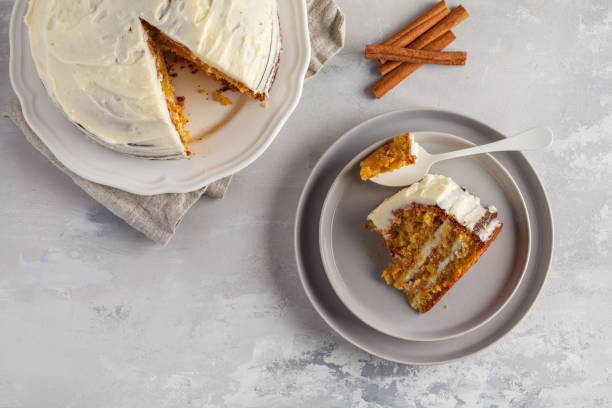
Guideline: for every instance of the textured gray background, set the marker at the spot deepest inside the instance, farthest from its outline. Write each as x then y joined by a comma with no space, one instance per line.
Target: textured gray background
94,315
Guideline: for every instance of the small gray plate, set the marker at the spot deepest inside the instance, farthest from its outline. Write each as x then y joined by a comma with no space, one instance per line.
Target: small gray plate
332,309
354,256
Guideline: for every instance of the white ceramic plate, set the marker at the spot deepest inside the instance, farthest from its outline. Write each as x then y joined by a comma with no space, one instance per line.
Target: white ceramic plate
232,137
354,257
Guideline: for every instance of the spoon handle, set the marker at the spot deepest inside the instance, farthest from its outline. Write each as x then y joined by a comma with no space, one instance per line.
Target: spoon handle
536,138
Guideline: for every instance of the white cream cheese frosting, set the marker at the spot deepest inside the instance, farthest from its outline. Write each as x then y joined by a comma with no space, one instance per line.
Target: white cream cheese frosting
94,60
443,192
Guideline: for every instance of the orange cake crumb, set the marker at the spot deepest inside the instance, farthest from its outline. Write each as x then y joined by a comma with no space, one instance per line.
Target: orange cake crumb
222,99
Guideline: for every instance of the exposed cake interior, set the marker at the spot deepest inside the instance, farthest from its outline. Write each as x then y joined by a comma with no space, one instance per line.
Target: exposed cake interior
435,231
168,44
158,44
391,156
174,107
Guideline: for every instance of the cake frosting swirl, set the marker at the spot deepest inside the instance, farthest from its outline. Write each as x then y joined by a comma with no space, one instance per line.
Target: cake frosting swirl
442,192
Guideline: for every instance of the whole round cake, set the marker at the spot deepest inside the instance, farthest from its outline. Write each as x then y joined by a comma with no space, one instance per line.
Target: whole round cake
102,62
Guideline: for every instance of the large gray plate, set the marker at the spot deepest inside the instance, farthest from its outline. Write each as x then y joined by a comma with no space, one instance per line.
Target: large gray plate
354,257
319,289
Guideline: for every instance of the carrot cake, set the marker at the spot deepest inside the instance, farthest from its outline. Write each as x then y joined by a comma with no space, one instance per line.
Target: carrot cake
102,62
435,231
399,152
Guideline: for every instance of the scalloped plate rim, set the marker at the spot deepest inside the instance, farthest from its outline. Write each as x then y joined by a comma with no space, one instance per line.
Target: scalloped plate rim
30,106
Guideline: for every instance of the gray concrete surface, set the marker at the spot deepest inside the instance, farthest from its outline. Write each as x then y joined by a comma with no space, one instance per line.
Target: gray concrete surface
94,315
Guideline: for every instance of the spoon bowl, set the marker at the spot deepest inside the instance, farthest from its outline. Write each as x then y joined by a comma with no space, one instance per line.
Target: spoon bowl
533,139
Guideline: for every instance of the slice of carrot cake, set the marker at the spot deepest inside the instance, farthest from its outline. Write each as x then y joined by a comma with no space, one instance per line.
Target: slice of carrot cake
391,156
435,231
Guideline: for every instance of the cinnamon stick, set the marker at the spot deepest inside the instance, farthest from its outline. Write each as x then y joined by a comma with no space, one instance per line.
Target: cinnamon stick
436,9
455,17
423,23
393,53
389,81
413,34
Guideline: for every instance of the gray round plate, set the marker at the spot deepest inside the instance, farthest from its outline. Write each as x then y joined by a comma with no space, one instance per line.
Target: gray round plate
354,257
320,291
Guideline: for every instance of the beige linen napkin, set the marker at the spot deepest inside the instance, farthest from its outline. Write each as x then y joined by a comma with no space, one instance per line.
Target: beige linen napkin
158,216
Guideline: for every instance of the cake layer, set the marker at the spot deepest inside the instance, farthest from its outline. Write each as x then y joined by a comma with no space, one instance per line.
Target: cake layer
431,252
444,193
95,62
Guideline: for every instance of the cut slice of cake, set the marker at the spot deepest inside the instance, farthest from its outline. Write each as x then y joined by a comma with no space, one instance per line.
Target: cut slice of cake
391,156
435,231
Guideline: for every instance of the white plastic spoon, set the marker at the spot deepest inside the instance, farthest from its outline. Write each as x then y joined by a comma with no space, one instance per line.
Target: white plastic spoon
536,138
